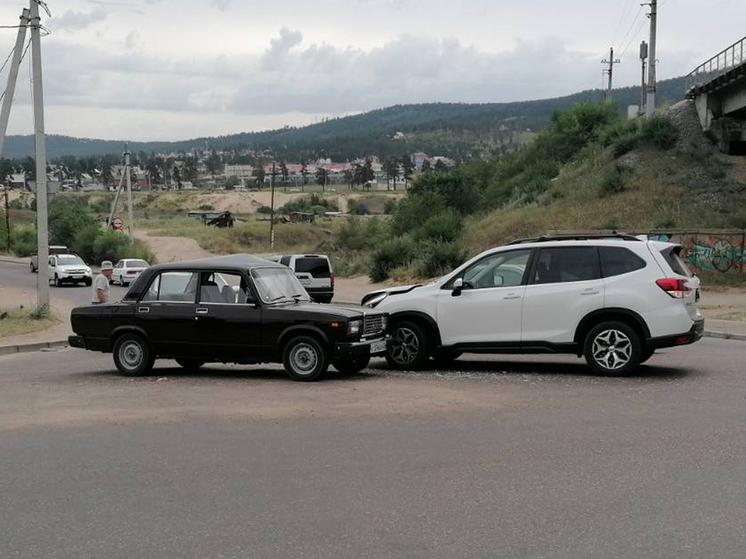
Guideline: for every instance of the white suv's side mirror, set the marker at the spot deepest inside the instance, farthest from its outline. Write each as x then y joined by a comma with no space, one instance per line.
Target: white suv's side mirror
458,286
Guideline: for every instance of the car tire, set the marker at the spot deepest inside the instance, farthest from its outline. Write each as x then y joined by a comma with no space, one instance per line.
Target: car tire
132,355
125,283
612,348
351,366
57,281
410,346
33,270
190,364
304,359
89,282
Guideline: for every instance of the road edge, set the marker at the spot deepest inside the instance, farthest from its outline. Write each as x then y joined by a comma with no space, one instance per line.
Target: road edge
725,336
29,348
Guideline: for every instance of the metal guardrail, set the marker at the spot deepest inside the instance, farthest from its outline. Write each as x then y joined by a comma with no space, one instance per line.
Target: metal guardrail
718,65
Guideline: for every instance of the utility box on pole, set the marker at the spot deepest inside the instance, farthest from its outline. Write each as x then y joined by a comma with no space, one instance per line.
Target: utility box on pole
643,59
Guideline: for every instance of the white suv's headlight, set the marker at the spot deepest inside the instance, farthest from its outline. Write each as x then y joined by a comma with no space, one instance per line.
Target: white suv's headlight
354,327
376,300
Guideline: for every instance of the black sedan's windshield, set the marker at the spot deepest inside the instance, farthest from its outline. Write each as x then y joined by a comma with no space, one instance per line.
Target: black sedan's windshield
278,284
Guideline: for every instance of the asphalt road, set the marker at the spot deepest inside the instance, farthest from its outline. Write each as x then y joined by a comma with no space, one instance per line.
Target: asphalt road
20,276
494,458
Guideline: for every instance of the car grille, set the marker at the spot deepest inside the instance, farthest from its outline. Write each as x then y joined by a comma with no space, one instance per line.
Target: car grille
374,324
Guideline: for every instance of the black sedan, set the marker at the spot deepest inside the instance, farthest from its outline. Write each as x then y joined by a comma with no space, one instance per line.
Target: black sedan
231,309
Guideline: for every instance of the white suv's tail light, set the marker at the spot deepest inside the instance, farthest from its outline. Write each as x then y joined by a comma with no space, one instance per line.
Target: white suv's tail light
676,288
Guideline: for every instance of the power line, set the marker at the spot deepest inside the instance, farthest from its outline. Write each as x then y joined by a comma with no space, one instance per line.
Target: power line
622,17
632,25
7,59
633,37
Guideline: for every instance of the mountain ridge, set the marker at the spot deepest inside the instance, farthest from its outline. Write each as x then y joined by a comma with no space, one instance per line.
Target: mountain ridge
458,130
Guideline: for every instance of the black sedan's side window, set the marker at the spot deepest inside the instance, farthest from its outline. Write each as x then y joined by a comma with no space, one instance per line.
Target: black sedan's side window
173,287
223,287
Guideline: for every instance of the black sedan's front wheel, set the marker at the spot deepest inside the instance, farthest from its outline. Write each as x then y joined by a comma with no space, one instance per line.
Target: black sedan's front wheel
132,356
304,359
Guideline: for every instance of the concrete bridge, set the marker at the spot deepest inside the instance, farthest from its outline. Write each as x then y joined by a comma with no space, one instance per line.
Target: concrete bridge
718,88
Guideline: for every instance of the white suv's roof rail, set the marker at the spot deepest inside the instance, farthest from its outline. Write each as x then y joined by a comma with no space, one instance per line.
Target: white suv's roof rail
576,237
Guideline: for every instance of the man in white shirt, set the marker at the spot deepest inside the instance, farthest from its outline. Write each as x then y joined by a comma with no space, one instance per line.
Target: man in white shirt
100,293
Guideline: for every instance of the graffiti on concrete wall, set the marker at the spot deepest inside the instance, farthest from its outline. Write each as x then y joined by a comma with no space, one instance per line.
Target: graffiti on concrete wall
710,251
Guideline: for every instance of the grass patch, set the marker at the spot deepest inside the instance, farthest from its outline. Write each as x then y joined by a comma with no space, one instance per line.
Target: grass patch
715,280
22,321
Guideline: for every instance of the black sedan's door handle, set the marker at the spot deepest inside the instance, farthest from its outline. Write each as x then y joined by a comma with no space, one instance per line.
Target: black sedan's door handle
201,311
143,309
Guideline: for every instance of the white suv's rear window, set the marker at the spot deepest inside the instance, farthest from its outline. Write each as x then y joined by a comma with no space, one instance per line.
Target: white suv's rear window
317,267
674,259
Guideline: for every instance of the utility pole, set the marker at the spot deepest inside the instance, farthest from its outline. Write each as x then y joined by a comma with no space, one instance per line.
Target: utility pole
643,59
651,86
272,210
42,225
130,219
610,72
7,219
12,78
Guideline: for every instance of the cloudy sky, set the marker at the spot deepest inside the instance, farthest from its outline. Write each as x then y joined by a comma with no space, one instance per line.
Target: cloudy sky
175,69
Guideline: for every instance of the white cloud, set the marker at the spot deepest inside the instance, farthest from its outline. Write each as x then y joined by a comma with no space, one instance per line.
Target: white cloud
75,21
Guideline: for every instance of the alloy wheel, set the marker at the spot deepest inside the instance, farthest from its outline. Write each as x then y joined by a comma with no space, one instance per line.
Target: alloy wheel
405,346
612,349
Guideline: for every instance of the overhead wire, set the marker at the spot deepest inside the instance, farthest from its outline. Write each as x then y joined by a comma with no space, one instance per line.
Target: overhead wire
622,17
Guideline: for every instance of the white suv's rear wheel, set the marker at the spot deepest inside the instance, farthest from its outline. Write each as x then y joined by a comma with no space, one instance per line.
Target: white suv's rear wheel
612,348
410,346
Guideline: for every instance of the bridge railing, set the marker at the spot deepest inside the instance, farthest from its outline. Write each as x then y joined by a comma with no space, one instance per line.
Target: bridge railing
718,65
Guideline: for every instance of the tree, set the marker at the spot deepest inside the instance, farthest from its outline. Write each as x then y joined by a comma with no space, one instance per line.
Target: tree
29,168
106,176
426,166
259,176
407,169
284,173
155,173
349,177
322,177
176,175
368,173
190,169
214,164
304,172
391,168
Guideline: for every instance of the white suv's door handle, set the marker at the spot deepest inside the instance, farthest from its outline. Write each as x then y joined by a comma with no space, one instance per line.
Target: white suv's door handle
512,296
590,291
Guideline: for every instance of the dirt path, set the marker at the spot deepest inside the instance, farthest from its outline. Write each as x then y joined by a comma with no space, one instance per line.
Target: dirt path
172,249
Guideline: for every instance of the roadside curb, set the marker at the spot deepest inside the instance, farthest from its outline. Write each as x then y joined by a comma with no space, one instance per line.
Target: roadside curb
725,336
28,348
9,261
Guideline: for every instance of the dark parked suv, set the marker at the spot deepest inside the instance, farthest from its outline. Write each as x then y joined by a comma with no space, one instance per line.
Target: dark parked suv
232,309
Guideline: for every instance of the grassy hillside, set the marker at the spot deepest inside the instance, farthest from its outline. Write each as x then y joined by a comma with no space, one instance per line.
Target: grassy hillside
455,129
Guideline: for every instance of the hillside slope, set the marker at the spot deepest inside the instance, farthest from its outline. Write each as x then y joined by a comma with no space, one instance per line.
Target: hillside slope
690,186
454,129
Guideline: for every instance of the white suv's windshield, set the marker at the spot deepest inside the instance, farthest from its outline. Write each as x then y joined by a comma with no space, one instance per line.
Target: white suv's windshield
69,260
278,284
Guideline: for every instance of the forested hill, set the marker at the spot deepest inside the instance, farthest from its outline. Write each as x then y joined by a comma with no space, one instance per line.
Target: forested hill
453,129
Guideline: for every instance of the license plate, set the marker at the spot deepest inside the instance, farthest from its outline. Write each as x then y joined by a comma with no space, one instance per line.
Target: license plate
378,347
77,277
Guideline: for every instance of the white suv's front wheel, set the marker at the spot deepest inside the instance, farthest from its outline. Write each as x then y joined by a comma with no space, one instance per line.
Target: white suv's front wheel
612,348
410,346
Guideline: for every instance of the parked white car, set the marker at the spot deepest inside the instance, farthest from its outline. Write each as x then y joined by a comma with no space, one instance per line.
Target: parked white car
53,249
613,299
128,270
68,268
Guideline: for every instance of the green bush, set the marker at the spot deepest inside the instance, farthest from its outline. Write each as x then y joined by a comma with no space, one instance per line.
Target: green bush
84,242
206,207
624,144
611,134
441,258
411,211
356,234
357,207
389,206
615,182
66,219
308,203
660,131
264,210
391,254
3,233
23,241
738,220
444,227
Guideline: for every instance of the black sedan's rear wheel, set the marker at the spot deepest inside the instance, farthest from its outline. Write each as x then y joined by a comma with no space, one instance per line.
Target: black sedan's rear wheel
132,356
190,364
410,346
305,359
351,366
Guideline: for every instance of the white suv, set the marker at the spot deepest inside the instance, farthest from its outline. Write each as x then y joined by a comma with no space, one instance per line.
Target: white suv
614,299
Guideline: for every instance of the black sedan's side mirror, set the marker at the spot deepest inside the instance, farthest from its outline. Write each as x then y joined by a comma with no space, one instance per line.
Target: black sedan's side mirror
458,287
